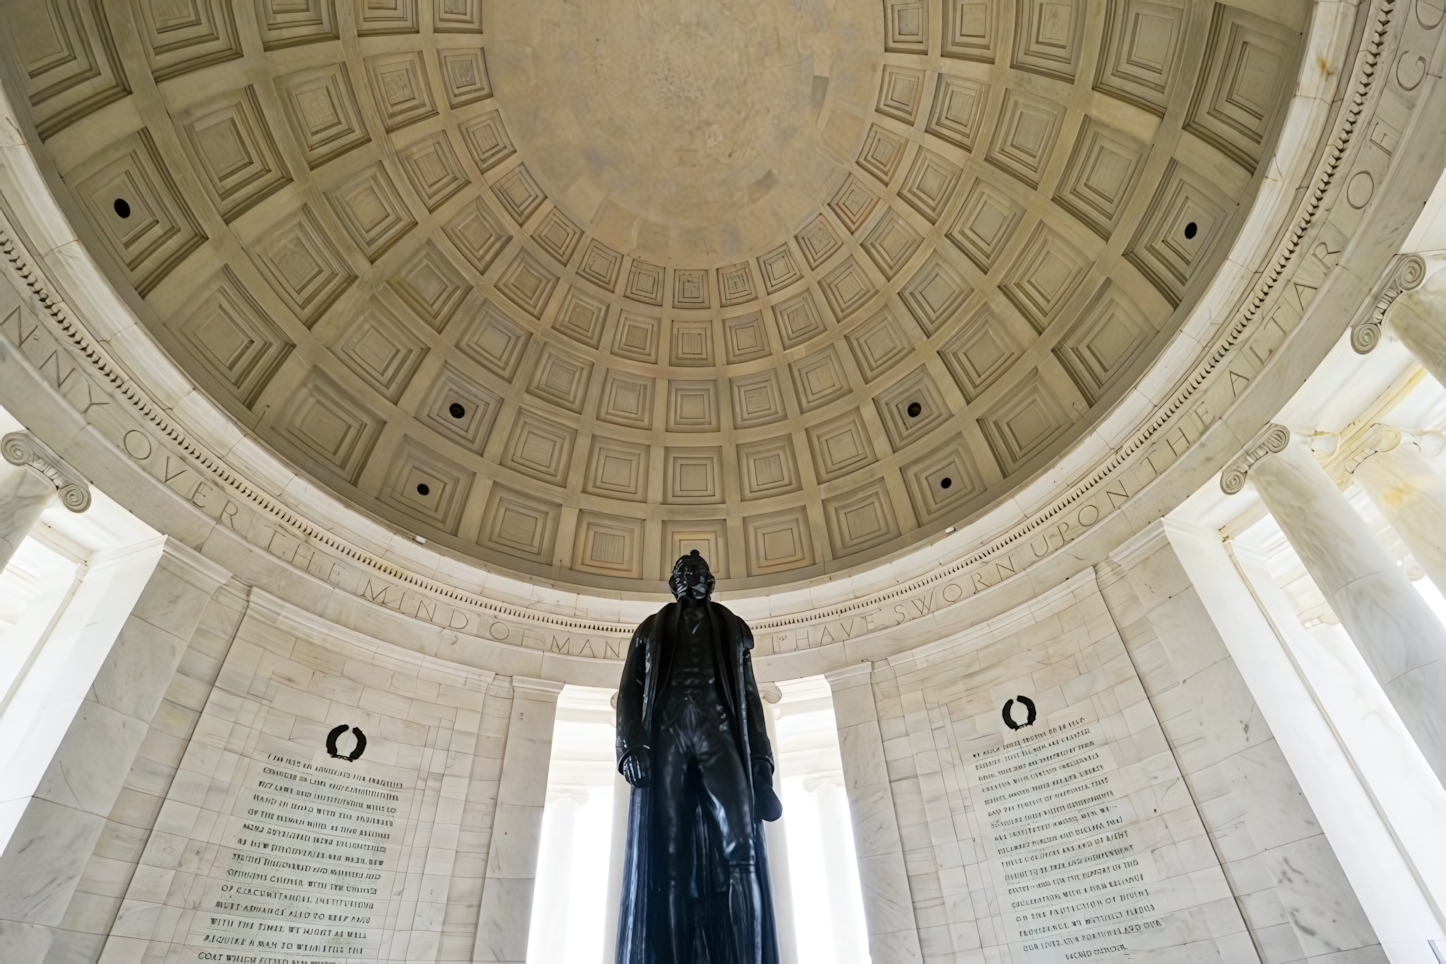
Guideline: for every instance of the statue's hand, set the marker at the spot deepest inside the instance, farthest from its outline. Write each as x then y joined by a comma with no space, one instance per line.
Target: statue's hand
765,802
637,769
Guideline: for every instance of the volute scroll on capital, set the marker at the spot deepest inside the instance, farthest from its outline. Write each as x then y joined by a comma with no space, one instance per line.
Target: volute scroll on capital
1404,273
1268,441
24,449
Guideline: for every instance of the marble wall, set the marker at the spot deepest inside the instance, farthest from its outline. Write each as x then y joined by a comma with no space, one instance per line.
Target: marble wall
1126,818
261,683
1131,798
68,851
1285,878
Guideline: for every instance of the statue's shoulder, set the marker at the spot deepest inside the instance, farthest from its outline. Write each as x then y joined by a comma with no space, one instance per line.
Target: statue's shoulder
743,629
645,628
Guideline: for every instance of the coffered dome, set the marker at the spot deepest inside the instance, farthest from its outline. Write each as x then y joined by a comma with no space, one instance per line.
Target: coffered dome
575,288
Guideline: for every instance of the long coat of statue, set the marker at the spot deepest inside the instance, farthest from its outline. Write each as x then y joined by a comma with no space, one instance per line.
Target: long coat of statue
643,924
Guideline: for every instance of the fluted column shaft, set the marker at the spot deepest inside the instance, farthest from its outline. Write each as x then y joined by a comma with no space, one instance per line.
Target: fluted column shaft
1398,635
1412,496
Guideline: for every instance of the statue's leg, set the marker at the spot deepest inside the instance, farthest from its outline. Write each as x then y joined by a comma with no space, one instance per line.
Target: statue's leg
729,801
672,828
745,910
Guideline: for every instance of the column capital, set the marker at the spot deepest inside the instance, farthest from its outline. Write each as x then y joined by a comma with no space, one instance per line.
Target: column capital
1269,440
545,690
24,449
1377,438
1404,272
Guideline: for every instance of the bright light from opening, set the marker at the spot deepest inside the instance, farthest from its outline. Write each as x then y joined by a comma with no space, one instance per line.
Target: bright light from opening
828,909
569,905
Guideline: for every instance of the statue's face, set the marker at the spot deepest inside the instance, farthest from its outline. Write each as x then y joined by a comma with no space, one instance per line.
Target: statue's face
692,582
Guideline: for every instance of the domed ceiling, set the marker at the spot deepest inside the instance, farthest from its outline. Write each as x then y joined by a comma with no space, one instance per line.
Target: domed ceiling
575,287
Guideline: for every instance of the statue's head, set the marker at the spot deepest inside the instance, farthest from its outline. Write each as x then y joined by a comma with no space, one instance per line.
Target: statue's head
691,579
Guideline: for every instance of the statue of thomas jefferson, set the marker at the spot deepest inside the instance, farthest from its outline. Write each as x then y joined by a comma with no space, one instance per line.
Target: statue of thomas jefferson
692,742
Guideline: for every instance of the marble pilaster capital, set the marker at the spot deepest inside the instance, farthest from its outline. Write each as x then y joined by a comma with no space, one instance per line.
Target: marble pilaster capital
1405,271
543,690
854,675
24,449
1269,440
1141,545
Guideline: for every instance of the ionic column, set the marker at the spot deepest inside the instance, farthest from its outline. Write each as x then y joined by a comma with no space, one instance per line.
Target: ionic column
617,854
506,913
776,835
1418,320
547,940
1408,491
27,484
833,823
1399,637
883,875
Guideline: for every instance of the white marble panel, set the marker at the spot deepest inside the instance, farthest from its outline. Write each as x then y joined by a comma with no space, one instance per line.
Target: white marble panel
1063,834
1195,644
410,818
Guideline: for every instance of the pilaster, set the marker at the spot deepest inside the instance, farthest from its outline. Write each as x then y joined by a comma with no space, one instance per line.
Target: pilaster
506,911
883,875
104,722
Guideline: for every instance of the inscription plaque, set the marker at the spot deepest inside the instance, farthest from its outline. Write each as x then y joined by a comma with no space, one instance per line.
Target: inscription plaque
1072,880
305,872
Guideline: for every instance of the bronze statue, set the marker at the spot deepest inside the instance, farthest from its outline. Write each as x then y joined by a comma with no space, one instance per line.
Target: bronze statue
692,742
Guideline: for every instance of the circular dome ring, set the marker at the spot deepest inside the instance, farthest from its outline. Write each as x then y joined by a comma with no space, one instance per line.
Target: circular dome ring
929,266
